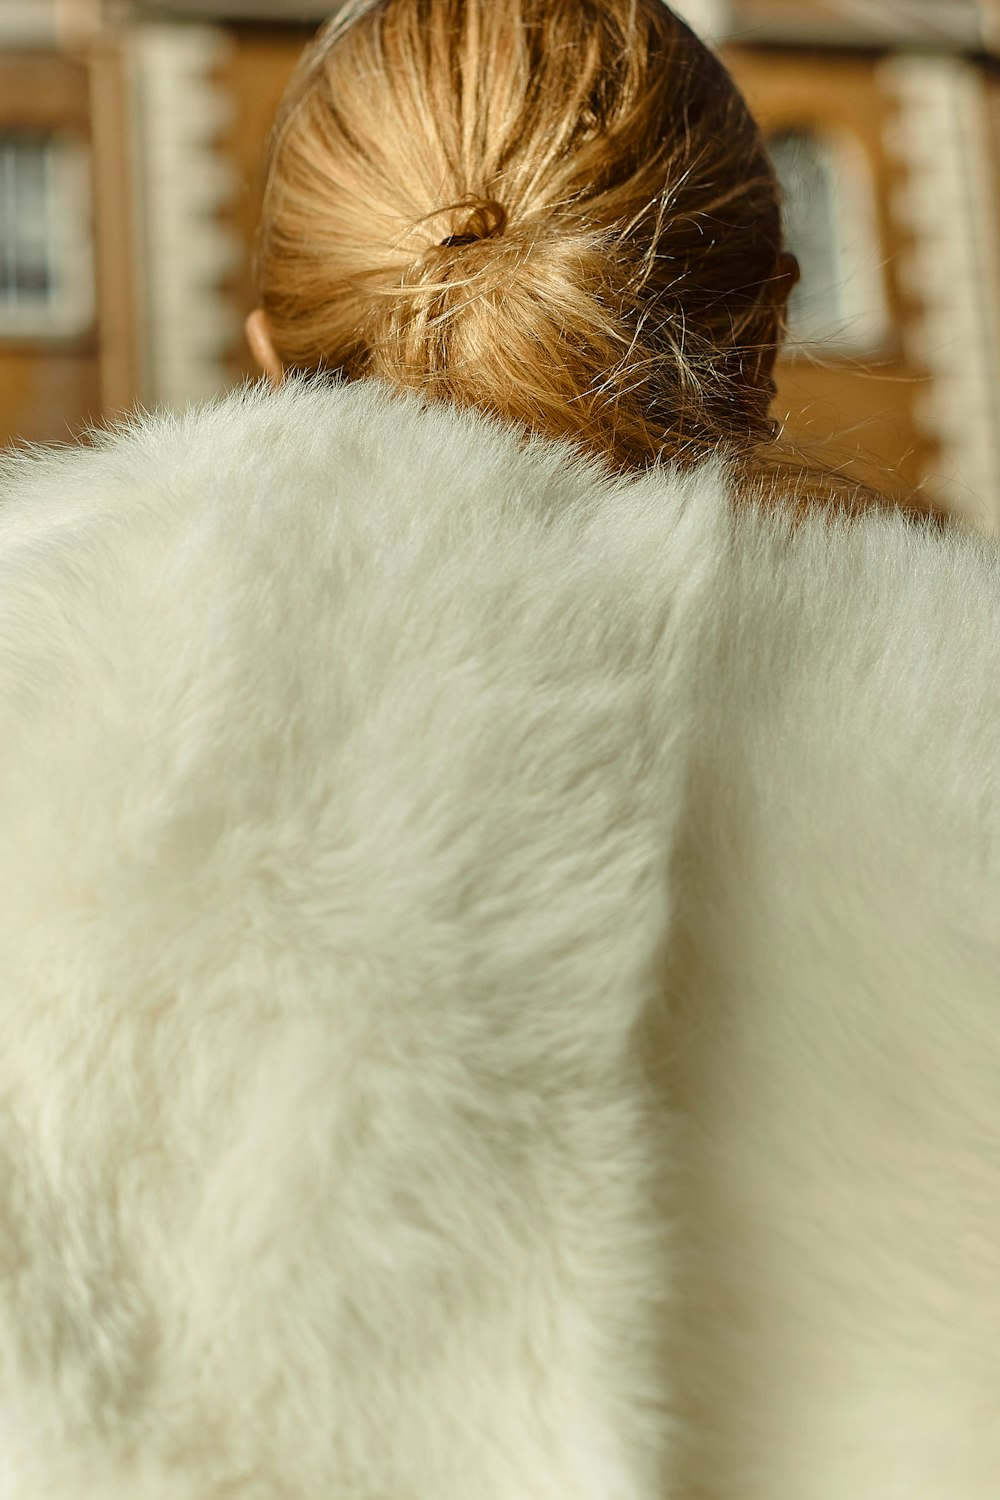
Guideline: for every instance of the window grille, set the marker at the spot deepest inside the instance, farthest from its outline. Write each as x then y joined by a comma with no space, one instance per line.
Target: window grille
46,260
828,203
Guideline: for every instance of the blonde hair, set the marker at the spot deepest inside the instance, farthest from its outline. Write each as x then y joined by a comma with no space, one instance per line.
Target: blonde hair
560,211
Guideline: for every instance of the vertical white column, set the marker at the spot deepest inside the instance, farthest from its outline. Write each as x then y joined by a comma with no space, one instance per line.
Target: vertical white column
940,135
182,183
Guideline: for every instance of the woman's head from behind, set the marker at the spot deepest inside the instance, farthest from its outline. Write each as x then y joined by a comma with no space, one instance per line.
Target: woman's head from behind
559,211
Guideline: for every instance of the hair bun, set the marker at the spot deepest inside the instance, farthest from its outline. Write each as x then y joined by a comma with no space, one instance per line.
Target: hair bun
486,221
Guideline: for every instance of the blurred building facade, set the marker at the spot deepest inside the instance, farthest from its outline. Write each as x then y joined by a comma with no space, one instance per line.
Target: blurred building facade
132,135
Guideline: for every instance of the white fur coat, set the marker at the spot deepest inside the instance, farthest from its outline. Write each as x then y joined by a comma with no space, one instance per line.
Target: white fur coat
499,976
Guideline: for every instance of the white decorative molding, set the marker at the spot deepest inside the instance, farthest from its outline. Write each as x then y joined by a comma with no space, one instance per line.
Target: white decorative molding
183,182
48,24
282,12
709,19
955,23
948,203
944,25
27,23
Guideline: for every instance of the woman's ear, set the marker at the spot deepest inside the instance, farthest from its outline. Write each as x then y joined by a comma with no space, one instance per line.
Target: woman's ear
259,338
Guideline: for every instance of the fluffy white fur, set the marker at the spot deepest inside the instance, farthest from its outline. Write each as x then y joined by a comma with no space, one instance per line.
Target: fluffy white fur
500,976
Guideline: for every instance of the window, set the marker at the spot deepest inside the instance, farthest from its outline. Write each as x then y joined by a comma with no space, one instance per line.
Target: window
831,226
46,262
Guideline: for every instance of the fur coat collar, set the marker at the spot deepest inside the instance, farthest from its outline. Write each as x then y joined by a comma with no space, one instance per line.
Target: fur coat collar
499,975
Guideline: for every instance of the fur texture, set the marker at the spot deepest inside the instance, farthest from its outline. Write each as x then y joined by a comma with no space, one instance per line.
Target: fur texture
500,976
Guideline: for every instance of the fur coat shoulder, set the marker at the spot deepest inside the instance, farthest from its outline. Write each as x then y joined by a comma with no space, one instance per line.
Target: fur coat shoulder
499,975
